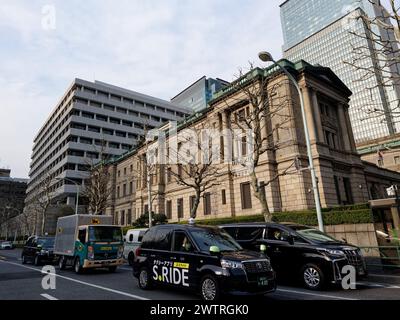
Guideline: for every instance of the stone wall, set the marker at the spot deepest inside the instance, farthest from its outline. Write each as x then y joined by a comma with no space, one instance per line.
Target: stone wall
362,235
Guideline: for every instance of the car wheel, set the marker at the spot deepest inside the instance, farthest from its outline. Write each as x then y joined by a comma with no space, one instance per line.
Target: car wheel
37,261
313,277
77,266
209,288
62,263
144,279
131,258
23,259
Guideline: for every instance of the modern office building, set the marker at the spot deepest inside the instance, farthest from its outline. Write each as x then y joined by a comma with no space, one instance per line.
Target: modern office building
93,120
318,31
12,196
198,95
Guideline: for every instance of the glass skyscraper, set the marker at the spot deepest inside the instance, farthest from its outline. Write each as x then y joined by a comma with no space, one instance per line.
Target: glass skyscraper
317,31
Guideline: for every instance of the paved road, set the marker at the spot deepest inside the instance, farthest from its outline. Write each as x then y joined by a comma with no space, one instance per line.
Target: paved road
19,282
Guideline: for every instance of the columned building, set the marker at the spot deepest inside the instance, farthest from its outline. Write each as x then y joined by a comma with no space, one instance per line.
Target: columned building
343,178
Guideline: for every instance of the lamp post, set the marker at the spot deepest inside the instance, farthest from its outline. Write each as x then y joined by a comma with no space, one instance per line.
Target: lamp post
77,192
267,57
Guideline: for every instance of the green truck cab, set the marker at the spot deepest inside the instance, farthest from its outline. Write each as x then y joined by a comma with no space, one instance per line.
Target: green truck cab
87,241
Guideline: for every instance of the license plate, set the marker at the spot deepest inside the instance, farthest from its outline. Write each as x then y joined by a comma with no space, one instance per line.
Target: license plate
262,282
106,248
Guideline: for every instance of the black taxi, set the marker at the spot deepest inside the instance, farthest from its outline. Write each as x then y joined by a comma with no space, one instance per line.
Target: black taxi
203,259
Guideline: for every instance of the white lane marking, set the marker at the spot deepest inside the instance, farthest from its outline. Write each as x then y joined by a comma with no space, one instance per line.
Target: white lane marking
82,282
315,294
377,285
48,297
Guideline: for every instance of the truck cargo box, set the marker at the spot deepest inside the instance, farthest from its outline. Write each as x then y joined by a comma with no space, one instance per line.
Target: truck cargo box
67,231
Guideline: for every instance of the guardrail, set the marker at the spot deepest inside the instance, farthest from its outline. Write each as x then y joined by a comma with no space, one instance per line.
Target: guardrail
385,257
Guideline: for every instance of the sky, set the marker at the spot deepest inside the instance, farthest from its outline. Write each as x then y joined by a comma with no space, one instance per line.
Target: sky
156,47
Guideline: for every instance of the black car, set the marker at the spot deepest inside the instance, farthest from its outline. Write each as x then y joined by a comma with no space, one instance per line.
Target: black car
204,259
299,252
38,250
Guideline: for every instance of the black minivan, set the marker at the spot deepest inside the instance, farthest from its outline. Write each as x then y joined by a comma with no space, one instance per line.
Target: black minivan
204,259
38,250
300,252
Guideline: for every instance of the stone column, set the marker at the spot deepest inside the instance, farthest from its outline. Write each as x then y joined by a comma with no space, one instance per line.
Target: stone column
350,128
317,115
395,216
308,107
343,127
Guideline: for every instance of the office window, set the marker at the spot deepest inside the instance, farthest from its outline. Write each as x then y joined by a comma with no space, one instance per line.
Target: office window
207,203
191,202
129,217
124,190
169,209
336,180
118,192
130,187
223,196
347,189
180,208
245,194
397,160
123,217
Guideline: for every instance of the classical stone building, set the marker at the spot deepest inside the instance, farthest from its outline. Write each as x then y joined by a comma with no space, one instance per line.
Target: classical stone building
283,174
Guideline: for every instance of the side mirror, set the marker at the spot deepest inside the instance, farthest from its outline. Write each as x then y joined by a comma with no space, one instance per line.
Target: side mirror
39,246
344,240
263,248
214,250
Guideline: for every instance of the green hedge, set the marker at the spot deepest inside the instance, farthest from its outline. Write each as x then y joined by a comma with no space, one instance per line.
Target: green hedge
333,216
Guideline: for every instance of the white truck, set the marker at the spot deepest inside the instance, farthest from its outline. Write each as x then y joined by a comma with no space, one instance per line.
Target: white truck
132,241
88,241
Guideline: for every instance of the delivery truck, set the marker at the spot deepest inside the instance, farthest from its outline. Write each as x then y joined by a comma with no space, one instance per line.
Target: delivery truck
88,241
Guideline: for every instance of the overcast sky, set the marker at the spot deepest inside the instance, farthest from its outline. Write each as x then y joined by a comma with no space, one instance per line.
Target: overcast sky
154,47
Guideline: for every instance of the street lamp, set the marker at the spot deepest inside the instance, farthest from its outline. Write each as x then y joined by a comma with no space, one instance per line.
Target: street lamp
77,191
267,57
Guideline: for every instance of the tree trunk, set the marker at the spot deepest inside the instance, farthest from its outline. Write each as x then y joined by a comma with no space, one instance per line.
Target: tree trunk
261,197
193,211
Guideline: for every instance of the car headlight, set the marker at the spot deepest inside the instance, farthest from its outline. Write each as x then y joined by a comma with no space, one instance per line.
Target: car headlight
332,252
120,252
227,264
44,252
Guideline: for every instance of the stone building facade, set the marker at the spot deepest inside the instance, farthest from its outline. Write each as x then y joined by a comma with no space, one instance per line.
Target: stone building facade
343,178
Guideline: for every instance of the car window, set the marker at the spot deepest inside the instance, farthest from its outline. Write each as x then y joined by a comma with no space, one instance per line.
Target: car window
141,234
29,242
82,235
131,237
249,233
158,239
277,234
182,242
232,231
205,238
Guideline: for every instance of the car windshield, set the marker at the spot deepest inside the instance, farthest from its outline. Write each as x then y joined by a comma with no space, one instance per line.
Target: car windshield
46,242
313,234
214,237
105,233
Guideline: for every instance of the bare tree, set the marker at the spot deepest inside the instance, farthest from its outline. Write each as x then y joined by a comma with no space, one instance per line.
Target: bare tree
197,164
43,198
376,55
98,188
261,113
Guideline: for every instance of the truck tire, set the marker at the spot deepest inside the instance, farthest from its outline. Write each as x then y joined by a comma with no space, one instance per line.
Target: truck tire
131,258
144,280
313,277
209,288
77,266
62,263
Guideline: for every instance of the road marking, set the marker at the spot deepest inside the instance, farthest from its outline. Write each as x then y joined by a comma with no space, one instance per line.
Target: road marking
124,268
315,294
47,296
82,282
